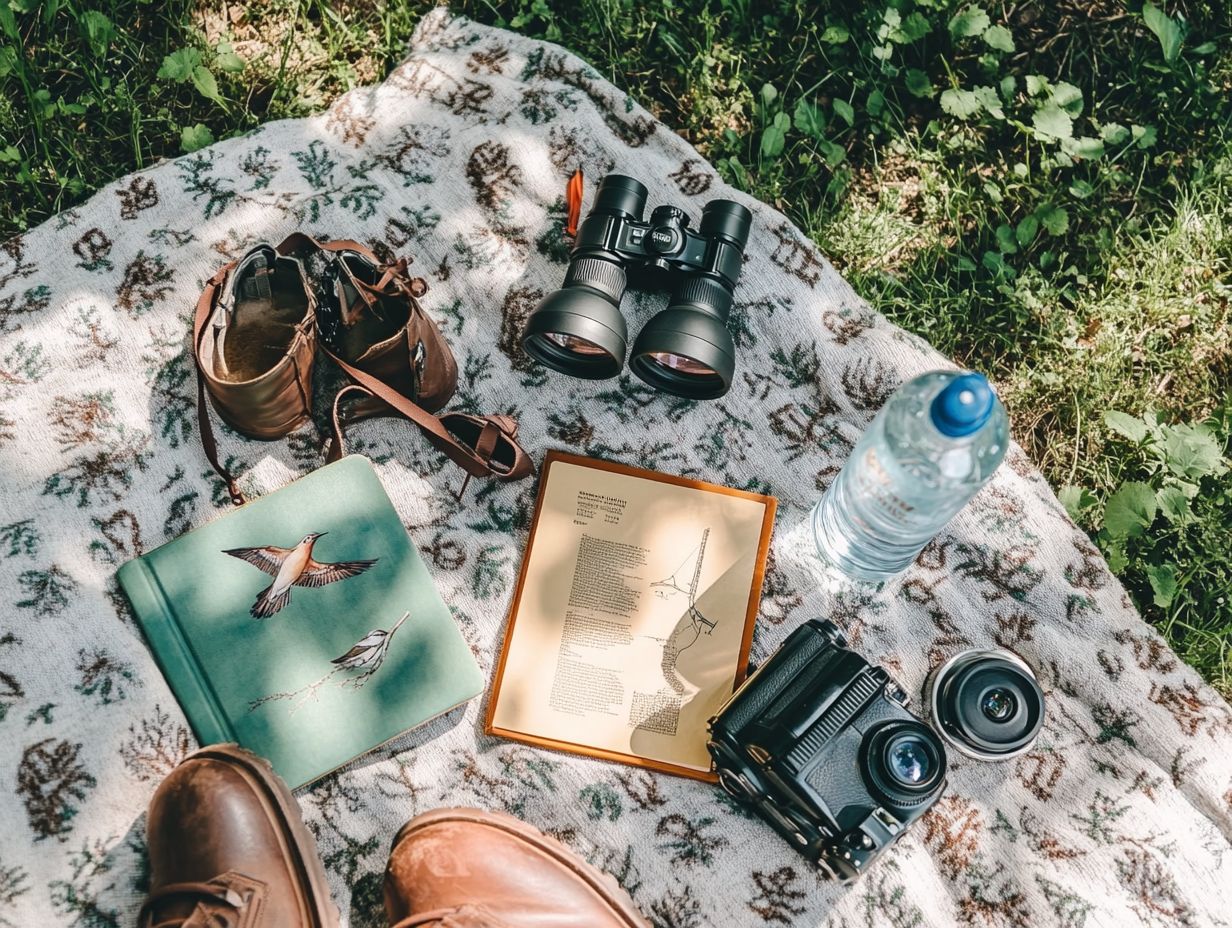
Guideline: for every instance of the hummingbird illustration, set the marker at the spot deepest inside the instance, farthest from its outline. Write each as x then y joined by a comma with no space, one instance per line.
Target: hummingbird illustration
293,567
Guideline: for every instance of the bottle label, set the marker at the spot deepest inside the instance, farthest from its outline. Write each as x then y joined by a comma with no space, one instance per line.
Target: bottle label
875,489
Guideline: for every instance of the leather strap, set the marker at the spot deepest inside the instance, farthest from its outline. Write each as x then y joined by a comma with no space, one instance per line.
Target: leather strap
394,275
477,461
573,202
205,429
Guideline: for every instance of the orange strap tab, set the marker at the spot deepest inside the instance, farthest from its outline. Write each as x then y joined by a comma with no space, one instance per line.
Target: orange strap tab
573,198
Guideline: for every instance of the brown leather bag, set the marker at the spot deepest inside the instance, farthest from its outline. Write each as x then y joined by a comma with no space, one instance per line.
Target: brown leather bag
255,340
370,316
260,320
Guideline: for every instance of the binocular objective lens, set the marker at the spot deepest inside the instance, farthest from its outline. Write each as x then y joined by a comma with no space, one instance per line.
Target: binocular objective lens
998,705
909,762
574,344
680,364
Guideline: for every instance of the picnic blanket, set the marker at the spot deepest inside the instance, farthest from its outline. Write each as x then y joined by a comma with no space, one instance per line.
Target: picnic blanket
1120,815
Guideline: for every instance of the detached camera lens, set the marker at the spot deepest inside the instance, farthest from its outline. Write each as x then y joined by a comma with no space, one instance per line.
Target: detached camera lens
903,762
987,704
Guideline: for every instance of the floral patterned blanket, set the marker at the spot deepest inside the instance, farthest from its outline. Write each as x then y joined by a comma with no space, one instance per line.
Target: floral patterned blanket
1120,815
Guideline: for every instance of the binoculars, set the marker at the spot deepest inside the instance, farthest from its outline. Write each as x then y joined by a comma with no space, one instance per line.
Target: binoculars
686,349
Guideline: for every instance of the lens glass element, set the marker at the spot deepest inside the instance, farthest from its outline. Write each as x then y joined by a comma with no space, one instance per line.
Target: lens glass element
998,704
574,344
903,762
909,761
680,364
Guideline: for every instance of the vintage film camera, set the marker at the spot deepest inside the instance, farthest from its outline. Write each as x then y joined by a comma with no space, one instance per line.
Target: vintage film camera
820,744
685,349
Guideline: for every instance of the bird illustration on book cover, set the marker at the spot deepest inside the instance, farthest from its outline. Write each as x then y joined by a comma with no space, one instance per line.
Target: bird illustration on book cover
292,567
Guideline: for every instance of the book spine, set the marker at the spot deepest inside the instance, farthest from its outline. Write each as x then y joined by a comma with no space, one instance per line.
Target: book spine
174,654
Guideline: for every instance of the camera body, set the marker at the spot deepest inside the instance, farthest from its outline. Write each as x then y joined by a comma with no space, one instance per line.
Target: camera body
820,744
686,349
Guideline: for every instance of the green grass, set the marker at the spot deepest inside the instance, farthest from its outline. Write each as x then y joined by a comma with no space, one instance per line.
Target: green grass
1040,189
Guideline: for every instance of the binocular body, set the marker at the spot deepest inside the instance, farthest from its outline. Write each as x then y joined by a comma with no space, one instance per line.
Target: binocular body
685,349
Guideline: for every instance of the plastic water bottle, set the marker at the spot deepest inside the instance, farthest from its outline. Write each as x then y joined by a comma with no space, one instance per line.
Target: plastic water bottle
929,450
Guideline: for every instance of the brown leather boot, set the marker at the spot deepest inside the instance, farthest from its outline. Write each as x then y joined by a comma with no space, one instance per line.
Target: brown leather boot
228,848
466,868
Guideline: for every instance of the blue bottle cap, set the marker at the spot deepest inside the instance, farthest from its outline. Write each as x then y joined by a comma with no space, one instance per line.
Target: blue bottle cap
963,405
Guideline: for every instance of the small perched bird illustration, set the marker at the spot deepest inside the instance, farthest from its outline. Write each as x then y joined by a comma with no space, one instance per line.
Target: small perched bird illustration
293,567
369,652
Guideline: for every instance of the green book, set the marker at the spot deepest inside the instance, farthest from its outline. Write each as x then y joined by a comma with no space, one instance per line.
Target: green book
303,625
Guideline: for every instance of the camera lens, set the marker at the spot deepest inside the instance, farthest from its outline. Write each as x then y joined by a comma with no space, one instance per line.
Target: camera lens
903,762
998,704
909,762
987,704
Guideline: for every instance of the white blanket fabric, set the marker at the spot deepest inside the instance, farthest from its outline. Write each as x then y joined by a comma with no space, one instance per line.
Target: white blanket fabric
1120,815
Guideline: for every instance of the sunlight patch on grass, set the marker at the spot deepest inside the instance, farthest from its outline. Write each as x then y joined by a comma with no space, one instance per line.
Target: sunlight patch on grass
1157,334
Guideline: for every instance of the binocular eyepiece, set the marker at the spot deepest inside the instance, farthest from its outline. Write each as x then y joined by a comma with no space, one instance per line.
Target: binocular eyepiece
685,349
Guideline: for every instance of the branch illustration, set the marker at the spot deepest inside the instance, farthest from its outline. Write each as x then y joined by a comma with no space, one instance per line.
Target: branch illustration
367,655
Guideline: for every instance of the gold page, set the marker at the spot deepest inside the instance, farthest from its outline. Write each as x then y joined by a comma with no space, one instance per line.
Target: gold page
627,633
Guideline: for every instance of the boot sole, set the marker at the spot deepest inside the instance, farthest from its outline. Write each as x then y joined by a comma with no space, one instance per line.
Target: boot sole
603,884
302,844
